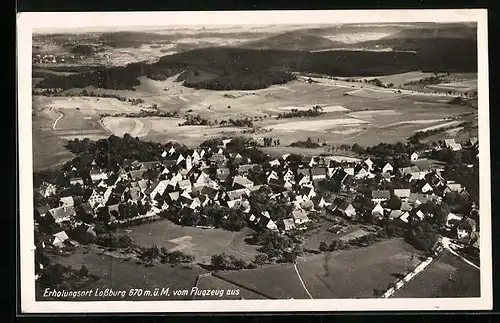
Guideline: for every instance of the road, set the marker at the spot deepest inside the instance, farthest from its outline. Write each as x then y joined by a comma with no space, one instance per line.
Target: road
448,244
59,118
301,281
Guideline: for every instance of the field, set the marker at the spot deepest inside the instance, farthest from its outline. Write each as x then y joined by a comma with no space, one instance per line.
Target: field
355,273
201,243
447,276
119,274
354,112
216,283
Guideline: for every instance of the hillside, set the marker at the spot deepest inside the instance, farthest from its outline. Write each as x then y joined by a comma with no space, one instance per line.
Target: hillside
242,68
293,40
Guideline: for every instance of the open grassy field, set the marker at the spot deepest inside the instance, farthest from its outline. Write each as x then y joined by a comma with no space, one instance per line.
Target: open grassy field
447,276
357,273
354,273
201,243
367,115
119,274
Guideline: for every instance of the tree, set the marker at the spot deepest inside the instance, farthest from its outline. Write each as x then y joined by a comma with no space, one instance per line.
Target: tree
394,202
84,271
323,246
260,259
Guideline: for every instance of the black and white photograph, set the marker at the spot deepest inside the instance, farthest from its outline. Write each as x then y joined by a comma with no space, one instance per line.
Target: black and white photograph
211,161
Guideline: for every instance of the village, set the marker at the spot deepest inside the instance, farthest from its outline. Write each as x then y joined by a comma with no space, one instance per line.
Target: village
183,184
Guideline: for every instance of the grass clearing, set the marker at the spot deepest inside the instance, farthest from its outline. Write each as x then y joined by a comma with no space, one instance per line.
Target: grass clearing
201,243
317,125
120,274
447,276
215,283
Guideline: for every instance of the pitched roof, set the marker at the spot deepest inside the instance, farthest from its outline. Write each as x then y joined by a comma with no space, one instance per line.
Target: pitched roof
416,196
318,171
67,200
43,209
61,235
299,215
402,192
381,194
246,167
62,212
137,174
236,194
242,181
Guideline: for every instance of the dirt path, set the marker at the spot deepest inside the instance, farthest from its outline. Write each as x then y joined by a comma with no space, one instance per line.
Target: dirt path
301,280
59,118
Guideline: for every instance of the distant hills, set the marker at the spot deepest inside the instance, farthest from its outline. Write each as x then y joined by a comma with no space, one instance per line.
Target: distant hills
293,40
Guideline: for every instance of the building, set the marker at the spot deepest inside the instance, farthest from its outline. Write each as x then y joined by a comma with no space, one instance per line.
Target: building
242,182
380,196
402,193
387,168
414,156
300,217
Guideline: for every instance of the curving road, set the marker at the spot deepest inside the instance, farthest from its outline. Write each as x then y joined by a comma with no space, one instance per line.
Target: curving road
447,243
59,118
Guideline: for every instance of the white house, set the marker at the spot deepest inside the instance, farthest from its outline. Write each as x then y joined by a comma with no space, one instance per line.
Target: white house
300,217
289,224
452,219
271,225
368,162
274,162
387,168
427,188
414,156
378,211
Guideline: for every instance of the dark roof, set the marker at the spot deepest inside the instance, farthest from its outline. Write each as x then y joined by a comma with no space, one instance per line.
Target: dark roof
111,179
318,171
304,171
42,210
151,164
137,174
62,212
87,208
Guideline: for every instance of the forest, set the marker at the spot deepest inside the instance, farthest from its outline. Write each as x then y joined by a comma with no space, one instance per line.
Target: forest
245,69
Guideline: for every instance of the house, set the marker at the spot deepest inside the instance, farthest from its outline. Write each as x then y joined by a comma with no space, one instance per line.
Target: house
349,170
244,169
242,182
62,213
449,142
159,189
404,217
222,174
300,217
47,189
225,142
405,171
473,141
98,176
394,214
171,151
417,199
288,224
378,211
452,187
184,185
361,173
387,168
66,201
339,175
466,228
180,159
453,219
95,198
307,192
76,180
289,176
343,207
426,188
380,195
87,209
271,225
136,175
272,176
455,147
369,164
414,156
318,173
210,192
309,161
274,162
143,185
41,211
150,164
405,206
122,174
420,214
59,239
402,193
